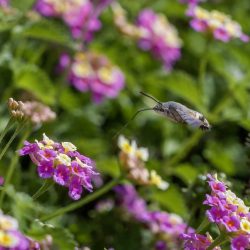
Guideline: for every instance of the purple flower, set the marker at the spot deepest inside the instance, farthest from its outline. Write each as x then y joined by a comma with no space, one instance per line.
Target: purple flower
193,241
216,185
129,199
45,169
160,245
159,37
29,148
240,242
82,17
94,73
4,3
63,163
75,188
215,214
231,223
217,23
62,175
198,25
221,34
1,181
168,226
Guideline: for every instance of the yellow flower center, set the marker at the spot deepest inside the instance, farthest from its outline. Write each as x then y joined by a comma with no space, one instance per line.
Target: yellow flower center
245,225
7,240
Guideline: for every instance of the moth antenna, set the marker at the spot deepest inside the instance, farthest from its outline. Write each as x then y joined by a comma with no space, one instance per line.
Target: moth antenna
130,120
149,96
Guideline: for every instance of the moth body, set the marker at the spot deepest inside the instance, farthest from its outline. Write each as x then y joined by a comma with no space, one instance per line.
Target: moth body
179,113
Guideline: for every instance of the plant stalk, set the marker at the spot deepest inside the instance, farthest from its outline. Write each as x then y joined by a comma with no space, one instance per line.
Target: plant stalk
16,132
13,163
46,185
218,241
84,201
6,129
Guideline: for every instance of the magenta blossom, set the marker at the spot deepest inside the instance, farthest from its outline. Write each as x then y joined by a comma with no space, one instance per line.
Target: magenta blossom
220,25
93,72
240,243
159,37
63,163
153,33
193,241
229,212
167,226
10,236
82,17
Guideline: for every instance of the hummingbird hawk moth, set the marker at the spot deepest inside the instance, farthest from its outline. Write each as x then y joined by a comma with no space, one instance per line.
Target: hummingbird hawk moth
176,112
179,113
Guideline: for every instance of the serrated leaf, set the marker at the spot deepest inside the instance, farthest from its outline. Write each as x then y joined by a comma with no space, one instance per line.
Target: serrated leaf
47,30
185,87
35,80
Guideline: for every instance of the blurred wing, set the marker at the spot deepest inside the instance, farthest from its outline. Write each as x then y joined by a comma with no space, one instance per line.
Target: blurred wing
189,117
175,114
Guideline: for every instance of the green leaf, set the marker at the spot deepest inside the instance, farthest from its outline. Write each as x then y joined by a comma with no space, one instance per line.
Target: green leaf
8,20
22,5
109,166
172,199
184,86
35,80
186,172
221,159
47,30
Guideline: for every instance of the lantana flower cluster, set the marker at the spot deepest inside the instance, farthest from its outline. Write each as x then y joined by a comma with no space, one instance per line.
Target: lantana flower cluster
81,16
154,34
228,212
33,111
63,163
194,241
95,73
168,227
220,25
133,160
10,236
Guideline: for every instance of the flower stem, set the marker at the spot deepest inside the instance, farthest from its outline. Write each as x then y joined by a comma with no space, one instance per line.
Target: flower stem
46,185
218,241
6,129
17,130
203,69
13,163
82,202
204,224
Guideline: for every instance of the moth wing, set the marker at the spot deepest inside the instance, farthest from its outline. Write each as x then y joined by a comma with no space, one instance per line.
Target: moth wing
175,114
189,117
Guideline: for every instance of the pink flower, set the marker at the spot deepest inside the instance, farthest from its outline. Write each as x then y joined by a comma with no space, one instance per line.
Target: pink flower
159,37
220,25
63,163
82,17
240,242
95,73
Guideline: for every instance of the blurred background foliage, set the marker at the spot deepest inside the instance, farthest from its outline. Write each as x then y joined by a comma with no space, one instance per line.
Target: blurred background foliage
29,51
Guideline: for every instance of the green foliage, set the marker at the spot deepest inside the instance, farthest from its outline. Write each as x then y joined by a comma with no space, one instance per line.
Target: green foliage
211,77
42,87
